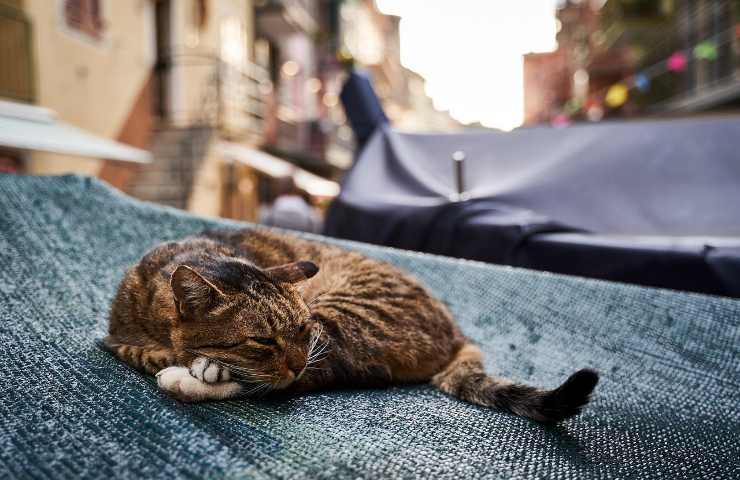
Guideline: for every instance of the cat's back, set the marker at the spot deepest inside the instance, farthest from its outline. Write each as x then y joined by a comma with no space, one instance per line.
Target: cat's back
191,250
352,272
375,313
352,290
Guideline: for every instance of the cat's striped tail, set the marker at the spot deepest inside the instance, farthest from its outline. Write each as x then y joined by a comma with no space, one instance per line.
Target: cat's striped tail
466,379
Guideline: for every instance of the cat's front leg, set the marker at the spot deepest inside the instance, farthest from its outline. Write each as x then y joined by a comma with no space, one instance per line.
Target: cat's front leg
209,371
181,384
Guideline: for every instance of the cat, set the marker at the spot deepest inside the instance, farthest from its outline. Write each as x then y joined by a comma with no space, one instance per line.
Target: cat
245,312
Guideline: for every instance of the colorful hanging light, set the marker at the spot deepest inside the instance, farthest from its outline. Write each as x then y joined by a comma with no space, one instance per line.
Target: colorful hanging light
560,120
594,113
573,106
705,50
642,82
677,62
617,95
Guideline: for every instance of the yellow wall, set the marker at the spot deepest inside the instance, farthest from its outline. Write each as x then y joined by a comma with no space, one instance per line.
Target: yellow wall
198,50
90,83
206,197
93,84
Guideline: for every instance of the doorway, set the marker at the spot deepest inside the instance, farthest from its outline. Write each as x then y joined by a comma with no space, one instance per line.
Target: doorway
163,62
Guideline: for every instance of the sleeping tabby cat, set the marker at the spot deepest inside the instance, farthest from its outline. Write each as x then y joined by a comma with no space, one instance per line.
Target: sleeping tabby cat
245,312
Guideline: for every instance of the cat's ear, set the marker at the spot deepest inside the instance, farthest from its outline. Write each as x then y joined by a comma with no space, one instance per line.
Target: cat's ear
193,293
292,272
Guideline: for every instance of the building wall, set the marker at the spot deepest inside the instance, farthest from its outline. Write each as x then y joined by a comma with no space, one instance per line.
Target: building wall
92,84
546,86
373,40
225,30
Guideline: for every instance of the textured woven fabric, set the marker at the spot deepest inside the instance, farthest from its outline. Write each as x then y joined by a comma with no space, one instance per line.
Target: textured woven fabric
666,407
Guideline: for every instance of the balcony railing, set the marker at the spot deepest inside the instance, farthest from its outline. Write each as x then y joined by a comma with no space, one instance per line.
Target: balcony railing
279,17
203,90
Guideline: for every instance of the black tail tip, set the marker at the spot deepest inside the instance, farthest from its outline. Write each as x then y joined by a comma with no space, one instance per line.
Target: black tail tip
569,399
583,381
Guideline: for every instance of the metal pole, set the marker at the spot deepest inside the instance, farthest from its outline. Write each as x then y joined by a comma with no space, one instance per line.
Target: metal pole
458,159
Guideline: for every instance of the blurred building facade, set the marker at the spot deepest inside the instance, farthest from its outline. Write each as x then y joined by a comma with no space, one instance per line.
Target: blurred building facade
547,86
372,40
628,42
95,74
190,80
227,95
713,82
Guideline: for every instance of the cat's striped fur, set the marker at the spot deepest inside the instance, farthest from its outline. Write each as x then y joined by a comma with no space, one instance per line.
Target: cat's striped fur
245,312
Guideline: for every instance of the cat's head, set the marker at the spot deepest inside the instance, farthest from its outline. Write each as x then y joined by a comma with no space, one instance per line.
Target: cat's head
250,319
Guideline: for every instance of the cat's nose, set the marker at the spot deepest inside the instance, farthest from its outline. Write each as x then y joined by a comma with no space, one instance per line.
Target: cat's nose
295,362
295,371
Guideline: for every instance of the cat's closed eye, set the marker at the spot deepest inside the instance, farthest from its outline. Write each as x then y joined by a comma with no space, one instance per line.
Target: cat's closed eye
220,346
266,341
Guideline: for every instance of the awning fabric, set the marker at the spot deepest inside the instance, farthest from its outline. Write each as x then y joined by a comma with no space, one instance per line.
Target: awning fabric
32,128
276,167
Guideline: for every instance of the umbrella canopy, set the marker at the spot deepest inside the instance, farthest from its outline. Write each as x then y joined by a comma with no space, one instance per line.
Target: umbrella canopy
649,202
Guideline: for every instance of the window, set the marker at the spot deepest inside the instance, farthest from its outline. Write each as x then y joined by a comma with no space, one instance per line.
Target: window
84,16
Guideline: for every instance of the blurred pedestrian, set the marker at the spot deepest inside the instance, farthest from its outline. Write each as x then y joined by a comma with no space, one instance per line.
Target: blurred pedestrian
290,209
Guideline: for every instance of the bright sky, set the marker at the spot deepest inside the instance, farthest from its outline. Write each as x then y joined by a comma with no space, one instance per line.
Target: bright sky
470,52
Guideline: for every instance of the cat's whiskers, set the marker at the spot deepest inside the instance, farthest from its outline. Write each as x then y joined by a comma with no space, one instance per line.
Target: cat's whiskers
308,367
314,362
316,358
314,341
245,374
316,298
251,375
259,391
312,354
315,338
320,352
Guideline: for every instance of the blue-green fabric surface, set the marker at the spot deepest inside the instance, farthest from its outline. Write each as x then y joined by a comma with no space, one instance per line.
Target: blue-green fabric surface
667,405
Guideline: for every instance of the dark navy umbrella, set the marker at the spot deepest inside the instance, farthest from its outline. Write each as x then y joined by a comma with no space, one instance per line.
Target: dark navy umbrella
649,202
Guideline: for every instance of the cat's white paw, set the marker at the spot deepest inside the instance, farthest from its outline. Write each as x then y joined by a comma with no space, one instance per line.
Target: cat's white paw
208,371
178,382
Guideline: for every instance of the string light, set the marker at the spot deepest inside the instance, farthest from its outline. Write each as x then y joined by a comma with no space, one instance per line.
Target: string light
677,62
617,95
560,120
642,82
573,106
706,50
594,113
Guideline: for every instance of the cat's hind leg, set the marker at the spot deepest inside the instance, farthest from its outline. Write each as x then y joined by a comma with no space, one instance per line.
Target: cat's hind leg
180,383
